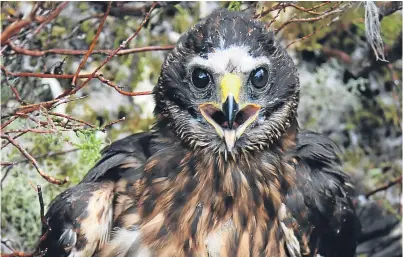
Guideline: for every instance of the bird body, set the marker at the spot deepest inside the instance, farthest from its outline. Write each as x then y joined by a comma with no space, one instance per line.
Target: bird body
225,170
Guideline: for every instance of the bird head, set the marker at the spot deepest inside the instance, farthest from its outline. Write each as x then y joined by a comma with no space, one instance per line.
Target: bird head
228,85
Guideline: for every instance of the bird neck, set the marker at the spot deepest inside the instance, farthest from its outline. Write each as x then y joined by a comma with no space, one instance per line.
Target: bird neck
248,178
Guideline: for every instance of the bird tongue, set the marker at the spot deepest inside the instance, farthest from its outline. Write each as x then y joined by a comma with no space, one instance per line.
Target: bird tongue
230,138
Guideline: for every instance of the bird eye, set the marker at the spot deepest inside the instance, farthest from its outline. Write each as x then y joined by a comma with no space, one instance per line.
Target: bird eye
259,77
200,78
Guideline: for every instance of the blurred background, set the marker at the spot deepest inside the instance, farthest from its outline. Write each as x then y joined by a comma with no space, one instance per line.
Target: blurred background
349,57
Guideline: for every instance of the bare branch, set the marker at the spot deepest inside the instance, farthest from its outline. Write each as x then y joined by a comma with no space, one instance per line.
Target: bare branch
47,155
39,53
384,187
94,41
284,5
123,45
70,76
71,118
15,27
111,84
113,122
312,33
333,10
34,162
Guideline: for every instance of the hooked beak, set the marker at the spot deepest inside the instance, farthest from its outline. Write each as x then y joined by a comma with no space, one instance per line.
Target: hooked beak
230,108
230,118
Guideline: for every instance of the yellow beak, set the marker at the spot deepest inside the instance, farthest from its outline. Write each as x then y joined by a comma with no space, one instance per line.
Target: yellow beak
230,118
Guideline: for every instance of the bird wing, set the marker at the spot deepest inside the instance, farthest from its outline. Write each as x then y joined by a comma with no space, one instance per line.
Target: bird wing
127,153
80,219
319,206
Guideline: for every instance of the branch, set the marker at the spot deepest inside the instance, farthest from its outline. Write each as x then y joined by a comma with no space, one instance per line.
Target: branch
70,76
5,124
15,137
15,91
45,225
384,187
123,45
37,131
71,118
16,26
42,75
34,162
332,10
388,8
51,16
111,84
283,5
309,10
39,53
45,229
274,19
112,123
339,54
47,155
94,41
312,33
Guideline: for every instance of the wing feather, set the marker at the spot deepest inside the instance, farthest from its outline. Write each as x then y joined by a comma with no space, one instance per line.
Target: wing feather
321,202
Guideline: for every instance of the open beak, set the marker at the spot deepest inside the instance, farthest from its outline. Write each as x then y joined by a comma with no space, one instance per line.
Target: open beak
230,118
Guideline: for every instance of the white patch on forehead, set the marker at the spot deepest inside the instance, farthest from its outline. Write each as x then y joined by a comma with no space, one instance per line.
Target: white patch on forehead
233,59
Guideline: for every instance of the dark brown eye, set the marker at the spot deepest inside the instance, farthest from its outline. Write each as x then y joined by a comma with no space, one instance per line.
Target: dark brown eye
200,78
259,77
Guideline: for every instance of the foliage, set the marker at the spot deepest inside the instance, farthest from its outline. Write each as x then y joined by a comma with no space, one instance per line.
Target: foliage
234,6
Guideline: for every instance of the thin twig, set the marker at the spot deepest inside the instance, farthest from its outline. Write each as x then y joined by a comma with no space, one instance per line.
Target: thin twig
38,131
384,187
70,76
113,122
309,10
39,53
45,224
5,175
274,19
47,155
71,118
16,26
51,16
34,162
334,10
15,137
111,84
17,95
283,5
42,75
123,45
5,124
94,41
312,33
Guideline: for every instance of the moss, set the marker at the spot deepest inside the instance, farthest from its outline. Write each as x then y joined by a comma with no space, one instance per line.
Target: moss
20,206
234,6
391,26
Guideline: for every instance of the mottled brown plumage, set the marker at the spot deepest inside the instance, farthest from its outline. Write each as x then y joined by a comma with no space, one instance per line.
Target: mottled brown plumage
245,192
225,171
